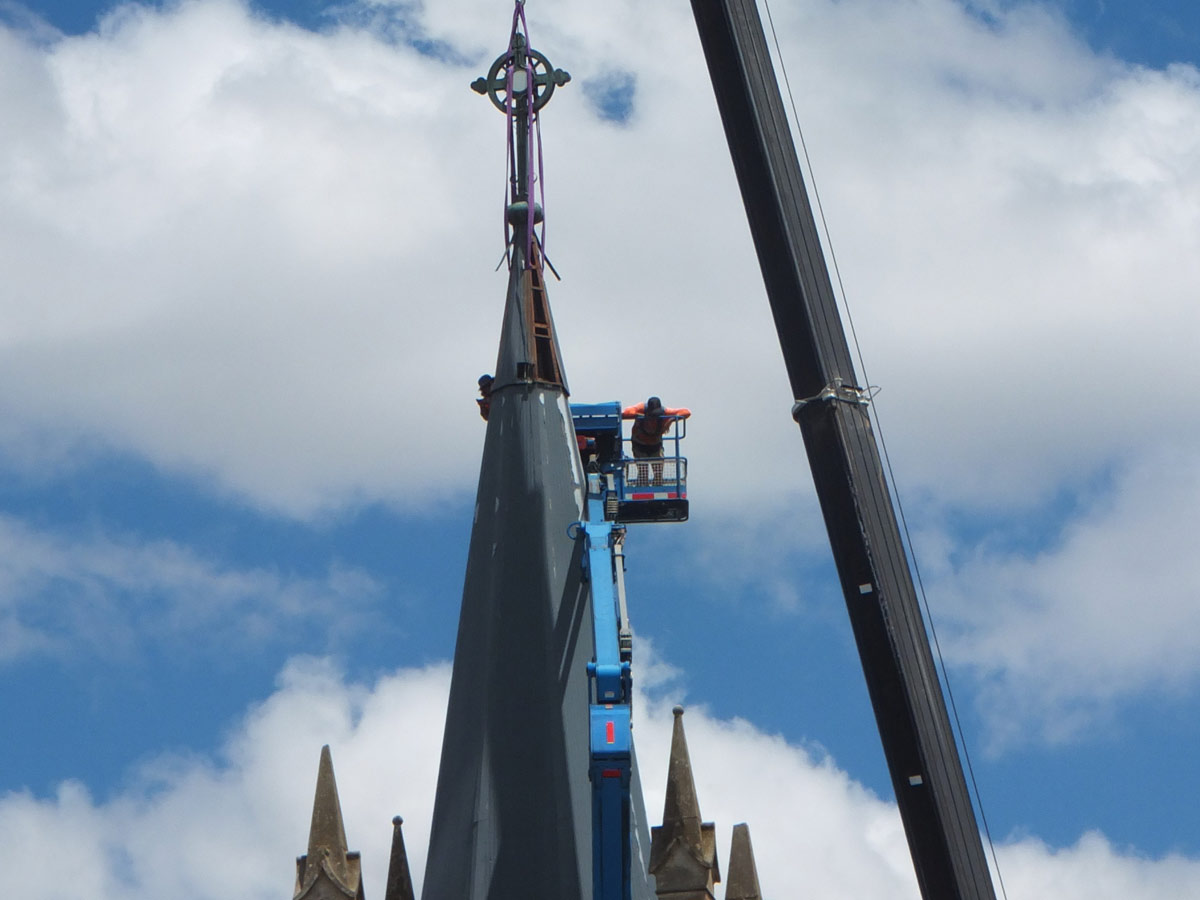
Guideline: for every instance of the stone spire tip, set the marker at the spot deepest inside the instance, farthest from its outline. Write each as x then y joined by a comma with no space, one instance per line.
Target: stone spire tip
327,831
328,861
399,877
683,850
743,873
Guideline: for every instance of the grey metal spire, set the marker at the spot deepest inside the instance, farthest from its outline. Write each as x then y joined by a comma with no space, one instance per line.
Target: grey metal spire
512,814
328,871
683,850
399,879
742,883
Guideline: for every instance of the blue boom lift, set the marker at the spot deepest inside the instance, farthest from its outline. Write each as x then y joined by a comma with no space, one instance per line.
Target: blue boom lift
620,491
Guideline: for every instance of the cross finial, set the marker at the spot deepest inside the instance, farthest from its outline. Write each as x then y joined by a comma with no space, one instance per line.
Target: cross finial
510,69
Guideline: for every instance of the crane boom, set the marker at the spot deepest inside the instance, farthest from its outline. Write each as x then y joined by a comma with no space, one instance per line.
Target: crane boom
831,409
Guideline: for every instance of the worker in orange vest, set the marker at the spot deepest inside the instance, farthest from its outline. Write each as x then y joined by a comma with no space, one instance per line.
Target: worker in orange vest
651,422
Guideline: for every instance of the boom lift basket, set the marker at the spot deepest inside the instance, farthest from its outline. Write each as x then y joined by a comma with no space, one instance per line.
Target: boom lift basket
652,489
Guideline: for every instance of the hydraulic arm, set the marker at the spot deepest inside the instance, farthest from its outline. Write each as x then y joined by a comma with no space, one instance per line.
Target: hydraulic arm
611,683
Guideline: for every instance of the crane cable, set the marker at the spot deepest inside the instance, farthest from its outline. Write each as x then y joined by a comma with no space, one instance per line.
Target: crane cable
874,411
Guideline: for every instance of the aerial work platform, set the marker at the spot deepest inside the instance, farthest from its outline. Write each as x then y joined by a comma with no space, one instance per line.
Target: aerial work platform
638,490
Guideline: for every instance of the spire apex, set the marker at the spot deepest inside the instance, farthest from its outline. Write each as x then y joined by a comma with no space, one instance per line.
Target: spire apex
399,878
328,861
327,831
681,812
683,850
743,873
519,83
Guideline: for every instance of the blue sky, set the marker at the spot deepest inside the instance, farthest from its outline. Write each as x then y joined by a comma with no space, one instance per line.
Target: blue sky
246,261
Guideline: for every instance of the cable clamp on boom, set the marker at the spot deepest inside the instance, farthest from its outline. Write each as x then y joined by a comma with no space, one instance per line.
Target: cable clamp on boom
837,391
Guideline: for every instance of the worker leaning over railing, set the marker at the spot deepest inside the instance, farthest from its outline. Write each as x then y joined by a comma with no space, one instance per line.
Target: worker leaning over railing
651,421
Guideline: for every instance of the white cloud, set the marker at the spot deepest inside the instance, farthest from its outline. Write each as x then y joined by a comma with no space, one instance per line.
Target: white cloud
1105,612
1093,868
223,238
106,596
196,828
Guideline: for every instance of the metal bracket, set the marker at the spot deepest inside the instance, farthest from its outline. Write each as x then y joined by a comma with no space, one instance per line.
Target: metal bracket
837,391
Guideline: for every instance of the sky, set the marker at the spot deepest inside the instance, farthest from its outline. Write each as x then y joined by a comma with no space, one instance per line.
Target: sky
247,283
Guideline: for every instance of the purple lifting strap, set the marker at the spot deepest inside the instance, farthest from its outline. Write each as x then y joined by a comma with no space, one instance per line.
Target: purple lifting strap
533,135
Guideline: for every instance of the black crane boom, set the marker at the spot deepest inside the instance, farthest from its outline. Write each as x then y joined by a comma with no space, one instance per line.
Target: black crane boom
832,413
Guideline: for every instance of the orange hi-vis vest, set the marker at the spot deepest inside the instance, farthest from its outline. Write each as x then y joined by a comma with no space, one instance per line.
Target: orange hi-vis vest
649,430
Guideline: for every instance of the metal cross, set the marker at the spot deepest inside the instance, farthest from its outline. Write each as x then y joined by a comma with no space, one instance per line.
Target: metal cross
545,77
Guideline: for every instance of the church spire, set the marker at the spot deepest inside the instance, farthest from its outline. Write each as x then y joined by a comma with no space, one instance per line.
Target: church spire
512,816
683,850
328,871
742,883
399,879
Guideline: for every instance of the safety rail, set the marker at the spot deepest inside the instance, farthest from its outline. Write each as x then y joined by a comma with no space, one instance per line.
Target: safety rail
670,472
677,433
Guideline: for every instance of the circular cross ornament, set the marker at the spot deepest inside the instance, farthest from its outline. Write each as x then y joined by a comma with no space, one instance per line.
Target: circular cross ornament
545,78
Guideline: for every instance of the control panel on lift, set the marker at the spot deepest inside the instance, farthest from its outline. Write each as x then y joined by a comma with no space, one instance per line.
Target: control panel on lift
652,489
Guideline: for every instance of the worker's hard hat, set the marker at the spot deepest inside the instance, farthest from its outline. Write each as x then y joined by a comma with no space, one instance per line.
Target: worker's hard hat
485,379
654,407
